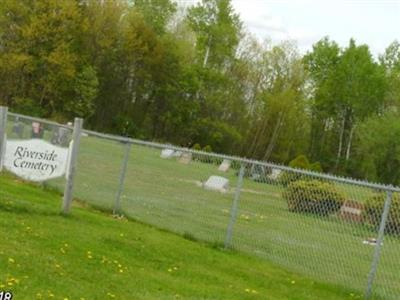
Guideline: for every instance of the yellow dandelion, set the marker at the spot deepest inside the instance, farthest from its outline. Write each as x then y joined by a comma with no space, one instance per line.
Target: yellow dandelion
254,291
175,268
89,256
247,290
62,250
121,235
293,282
169,270
121,271
11,260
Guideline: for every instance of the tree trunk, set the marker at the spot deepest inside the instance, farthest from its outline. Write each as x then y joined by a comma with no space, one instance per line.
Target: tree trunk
207,52
339,153
349,143
271,144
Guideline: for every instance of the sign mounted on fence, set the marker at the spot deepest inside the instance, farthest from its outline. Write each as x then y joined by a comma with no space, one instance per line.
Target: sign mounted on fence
35,159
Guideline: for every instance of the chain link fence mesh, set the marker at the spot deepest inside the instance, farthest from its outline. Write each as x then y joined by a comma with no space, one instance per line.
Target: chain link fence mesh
318,225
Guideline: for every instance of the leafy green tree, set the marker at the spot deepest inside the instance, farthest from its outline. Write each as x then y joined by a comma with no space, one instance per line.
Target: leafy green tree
378,149
217,28
279,125
349,87
41,57
156,13
390,61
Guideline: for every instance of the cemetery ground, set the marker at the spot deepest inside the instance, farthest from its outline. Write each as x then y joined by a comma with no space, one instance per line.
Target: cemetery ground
91,255
168,195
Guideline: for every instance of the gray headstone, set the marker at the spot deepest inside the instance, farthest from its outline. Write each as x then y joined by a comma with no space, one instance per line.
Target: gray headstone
185,158
18,129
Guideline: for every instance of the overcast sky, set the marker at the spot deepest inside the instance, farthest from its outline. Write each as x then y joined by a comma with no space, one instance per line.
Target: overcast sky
373,22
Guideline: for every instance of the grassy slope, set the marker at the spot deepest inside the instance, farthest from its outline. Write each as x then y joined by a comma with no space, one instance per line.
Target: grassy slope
164,193
90,255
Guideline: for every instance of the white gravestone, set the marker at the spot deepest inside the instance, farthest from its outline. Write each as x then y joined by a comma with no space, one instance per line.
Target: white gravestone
275,174
167,153
225,165
35,160
217,183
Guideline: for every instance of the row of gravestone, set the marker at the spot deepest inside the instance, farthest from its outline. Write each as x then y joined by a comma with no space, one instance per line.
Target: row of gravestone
60,135
214,182
350,210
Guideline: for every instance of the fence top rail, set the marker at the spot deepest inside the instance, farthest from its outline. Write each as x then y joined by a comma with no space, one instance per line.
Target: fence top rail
345,180
34,119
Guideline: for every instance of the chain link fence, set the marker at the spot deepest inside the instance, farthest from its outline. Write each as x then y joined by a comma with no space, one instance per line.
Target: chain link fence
333,229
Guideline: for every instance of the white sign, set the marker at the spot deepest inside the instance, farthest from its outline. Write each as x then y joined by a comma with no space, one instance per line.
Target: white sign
35,159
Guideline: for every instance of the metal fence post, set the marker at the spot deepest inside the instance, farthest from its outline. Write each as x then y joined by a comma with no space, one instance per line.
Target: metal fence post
3,131
234,209
69,186
378,246
117,207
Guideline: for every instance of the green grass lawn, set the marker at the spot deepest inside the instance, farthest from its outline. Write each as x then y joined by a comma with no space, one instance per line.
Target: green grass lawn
166,194
91,255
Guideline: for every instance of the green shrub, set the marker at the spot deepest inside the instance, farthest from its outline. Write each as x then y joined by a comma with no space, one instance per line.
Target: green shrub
196,147
300,162
373,212
285,178
207,149
316,167
313,196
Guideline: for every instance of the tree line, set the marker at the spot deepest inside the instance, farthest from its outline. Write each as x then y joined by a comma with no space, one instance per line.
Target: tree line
154,70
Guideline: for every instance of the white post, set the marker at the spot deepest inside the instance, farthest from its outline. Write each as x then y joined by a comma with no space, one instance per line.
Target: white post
3,131
73,159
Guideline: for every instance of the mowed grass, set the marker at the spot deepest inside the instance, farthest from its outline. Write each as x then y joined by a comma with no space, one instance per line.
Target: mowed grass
168,195
91,255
